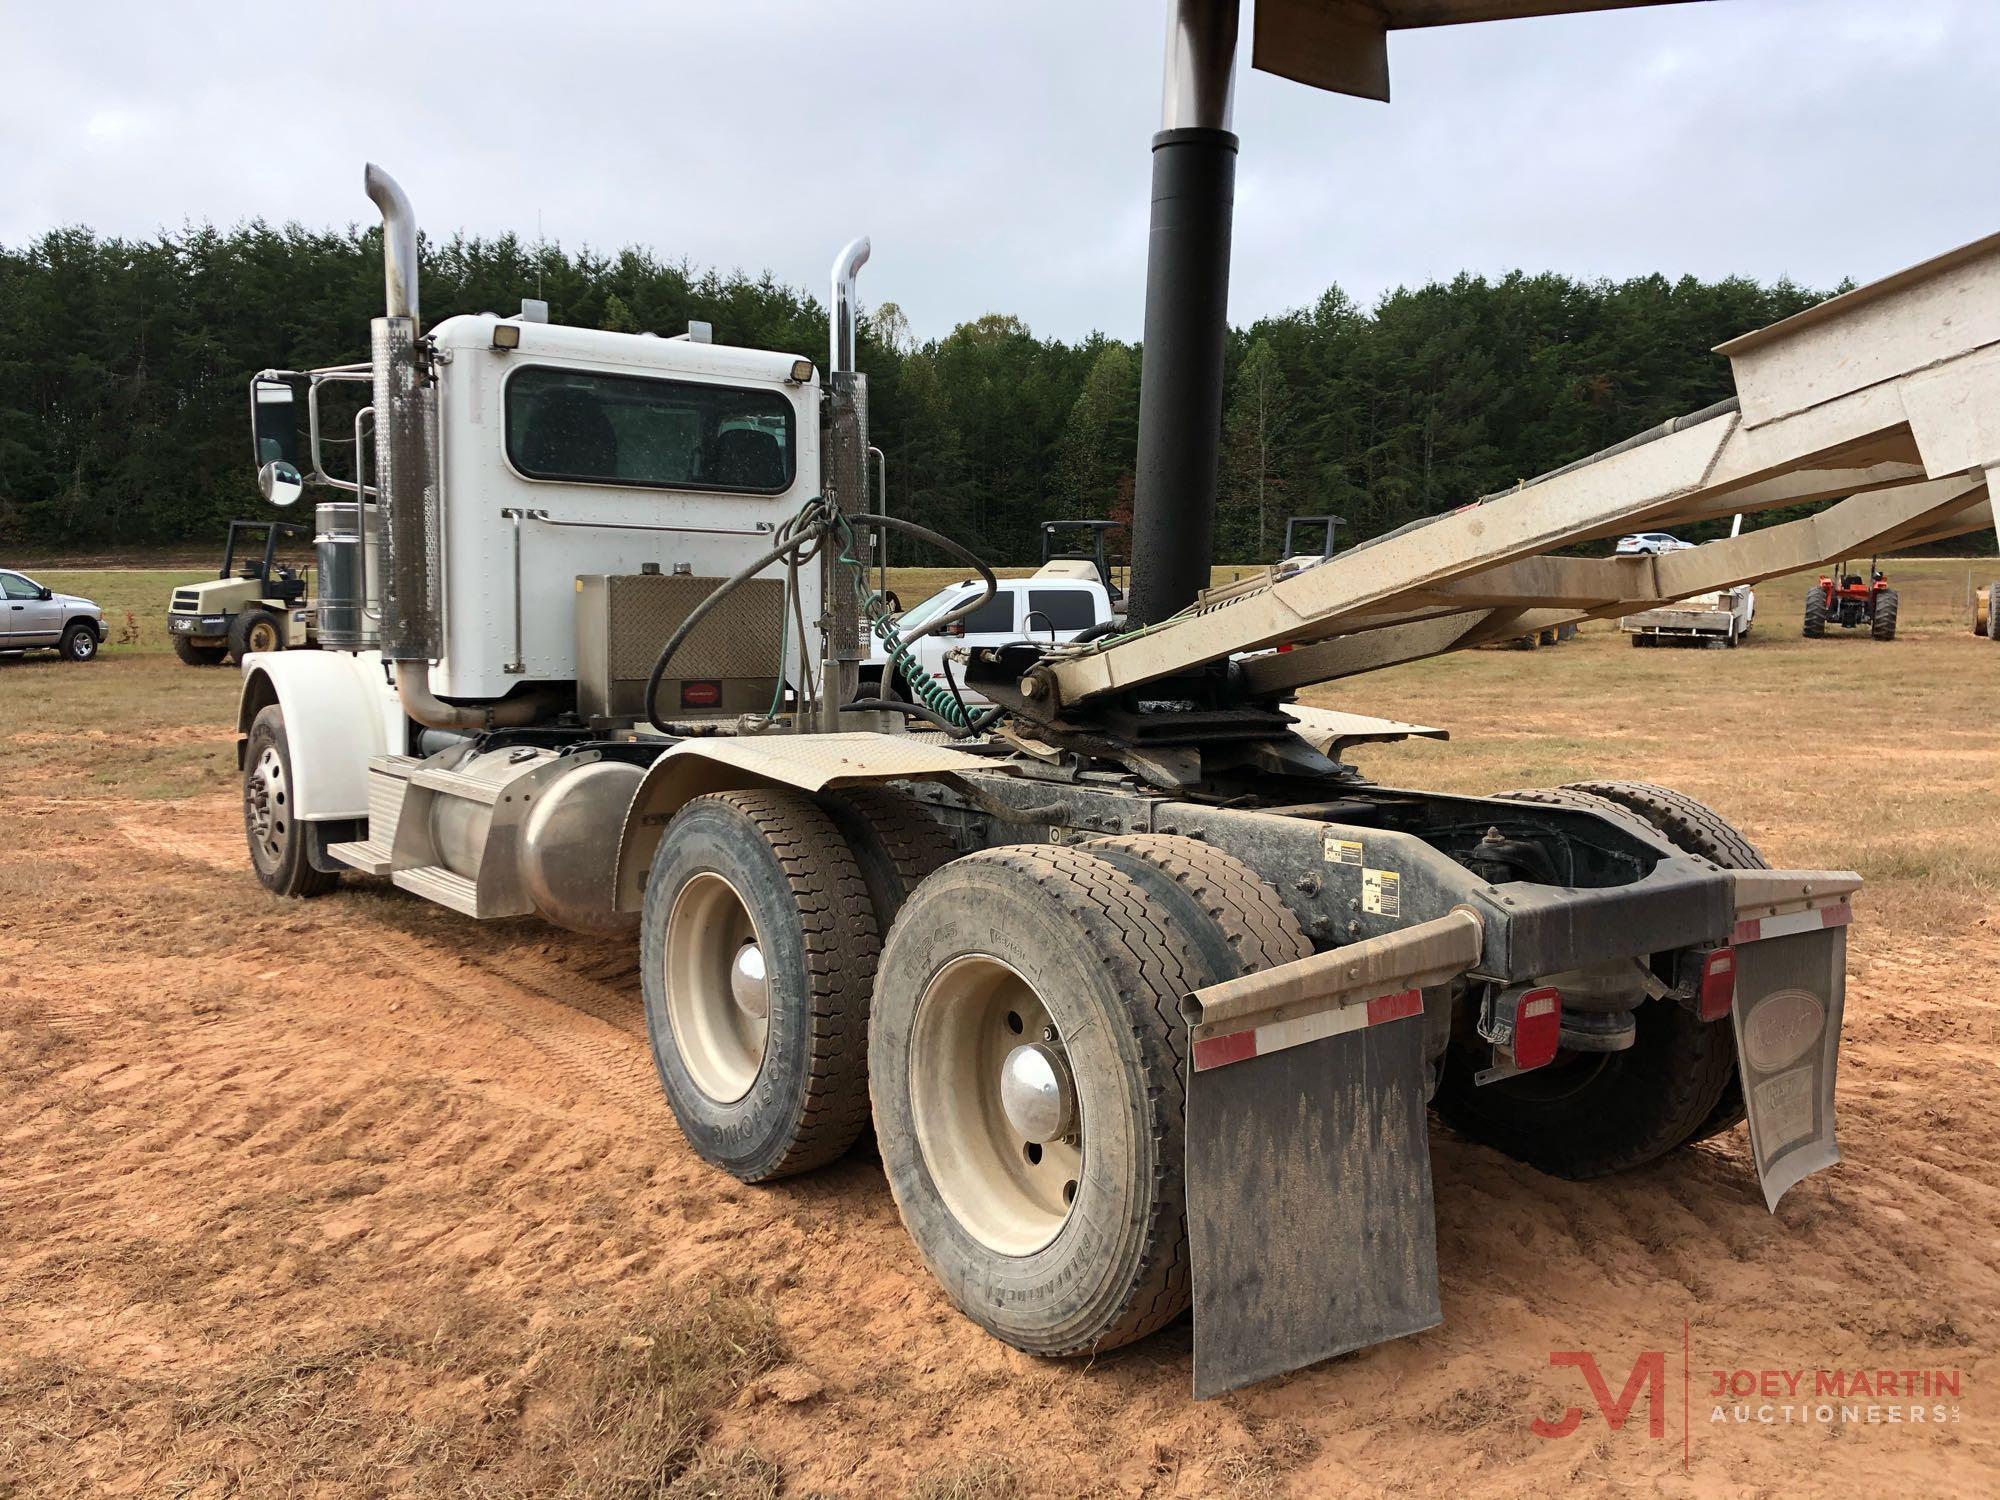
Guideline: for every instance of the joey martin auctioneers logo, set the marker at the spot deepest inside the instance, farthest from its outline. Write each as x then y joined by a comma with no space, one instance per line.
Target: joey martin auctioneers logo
1741,1396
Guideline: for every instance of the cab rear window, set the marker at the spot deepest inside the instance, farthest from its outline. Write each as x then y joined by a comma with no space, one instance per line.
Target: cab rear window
593,428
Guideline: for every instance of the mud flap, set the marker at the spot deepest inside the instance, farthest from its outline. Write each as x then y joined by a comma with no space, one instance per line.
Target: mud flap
1309,1197
1790,992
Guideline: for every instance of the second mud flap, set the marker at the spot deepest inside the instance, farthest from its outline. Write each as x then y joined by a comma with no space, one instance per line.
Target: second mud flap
1310,1211
1790,995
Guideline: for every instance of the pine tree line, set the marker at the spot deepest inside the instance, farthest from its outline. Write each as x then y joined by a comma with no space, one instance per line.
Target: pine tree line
124,365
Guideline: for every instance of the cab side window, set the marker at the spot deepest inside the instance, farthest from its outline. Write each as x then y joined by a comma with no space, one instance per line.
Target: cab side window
14,586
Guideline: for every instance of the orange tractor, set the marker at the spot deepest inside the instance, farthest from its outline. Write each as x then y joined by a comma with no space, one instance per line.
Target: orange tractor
1848,600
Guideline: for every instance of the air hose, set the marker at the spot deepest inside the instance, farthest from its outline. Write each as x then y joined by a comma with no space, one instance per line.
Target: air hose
942,703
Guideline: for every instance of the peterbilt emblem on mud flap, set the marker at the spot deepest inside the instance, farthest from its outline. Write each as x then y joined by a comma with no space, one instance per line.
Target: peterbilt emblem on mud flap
1781,1028
1787,1013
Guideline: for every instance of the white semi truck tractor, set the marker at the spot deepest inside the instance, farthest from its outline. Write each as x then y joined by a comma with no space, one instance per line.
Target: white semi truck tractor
1148,994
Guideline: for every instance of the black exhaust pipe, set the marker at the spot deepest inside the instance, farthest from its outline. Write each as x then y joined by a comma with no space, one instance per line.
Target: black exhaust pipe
1187,312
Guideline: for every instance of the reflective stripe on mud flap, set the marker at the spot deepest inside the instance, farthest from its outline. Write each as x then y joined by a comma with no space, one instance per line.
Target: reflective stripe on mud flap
1310,1218
1791,986
1756,929
1260,1041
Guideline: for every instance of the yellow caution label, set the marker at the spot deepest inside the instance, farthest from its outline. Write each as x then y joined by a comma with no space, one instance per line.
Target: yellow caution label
1381,893
1342,851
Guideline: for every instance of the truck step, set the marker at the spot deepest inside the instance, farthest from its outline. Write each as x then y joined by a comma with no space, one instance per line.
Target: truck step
454,785
388,780
365,855
436,883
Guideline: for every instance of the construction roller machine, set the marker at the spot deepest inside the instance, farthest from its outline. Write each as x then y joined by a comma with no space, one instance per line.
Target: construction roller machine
1148,993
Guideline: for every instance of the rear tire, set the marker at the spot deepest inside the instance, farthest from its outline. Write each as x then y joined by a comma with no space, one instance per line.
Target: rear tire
277,839
1697,828
1884,626
1229,911
896,841
764,1061
1046,1255
1591,1114
1993,610
198,656
254,629
1815,622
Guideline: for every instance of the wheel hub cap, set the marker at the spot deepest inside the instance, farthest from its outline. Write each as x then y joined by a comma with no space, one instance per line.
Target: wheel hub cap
749,984
718,988
1037,1093
995,1105
266,794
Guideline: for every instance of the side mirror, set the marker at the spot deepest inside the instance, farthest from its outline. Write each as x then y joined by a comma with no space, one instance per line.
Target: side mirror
274,422
45,593
281,482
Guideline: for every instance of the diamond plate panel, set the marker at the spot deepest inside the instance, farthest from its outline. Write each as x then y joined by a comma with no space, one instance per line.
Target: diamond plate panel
739,638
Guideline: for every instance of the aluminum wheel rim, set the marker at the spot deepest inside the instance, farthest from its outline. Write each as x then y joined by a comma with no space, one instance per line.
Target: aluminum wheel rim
721,1041
1011,1194
267,805
86,645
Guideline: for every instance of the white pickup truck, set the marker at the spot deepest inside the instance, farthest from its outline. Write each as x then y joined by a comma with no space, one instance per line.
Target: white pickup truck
1063,599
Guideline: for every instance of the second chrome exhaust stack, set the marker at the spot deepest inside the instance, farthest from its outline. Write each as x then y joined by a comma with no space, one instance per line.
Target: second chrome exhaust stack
843,309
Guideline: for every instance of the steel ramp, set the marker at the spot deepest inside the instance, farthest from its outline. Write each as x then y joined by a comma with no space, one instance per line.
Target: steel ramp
1888,395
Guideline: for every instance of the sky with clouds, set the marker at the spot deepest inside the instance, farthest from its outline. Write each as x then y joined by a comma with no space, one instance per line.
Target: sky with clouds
997,152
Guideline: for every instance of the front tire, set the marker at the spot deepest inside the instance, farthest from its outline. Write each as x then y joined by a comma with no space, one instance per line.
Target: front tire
758,944
276,837
194,655
1815,619
79,643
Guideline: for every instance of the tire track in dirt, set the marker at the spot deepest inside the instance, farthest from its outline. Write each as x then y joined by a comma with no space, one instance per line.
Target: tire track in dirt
606,1055
186,847
555,1009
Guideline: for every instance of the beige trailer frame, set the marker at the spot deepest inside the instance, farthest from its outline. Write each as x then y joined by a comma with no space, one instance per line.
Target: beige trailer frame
1888,395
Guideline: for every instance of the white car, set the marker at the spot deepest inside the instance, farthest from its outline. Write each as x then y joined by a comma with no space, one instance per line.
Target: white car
1055,605
1645,542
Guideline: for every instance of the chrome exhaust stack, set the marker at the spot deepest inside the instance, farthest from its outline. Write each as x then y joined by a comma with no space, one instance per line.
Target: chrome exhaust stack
399,242
843,483
406,480
842,308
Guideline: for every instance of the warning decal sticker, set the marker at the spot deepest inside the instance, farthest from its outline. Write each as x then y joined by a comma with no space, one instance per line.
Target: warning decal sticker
1381,893
1342,851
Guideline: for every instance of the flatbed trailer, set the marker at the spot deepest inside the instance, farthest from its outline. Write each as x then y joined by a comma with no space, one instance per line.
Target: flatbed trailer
1146,992
1722,617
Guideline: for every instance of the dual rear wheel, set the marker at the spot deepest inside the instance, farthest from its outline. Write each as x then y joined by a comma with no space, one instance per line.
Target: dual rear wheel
1023,1060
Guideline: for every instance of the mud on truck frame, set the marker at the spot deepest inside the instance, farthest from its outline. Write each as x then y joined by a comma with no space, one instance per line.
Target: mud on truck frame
1146,992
